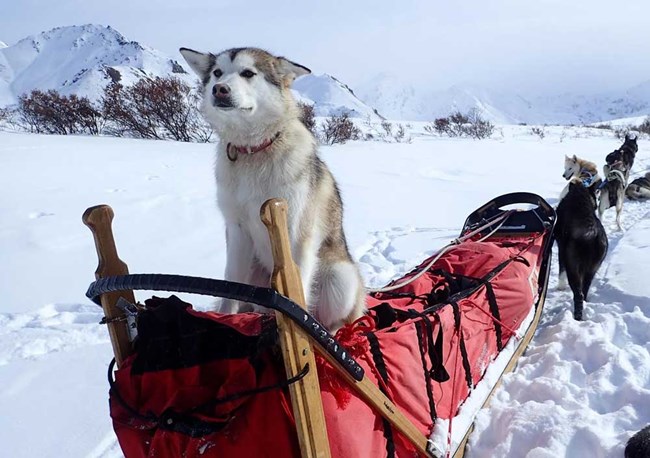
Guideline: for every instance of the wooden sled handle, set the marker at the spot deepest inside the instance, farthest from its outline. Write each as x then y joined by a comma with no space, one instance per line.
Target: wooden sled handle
307,403
99,219
294,342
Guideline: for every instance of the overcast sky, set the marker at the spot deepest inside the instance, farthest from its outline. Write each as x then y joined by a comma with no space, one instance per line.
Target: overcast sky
532,46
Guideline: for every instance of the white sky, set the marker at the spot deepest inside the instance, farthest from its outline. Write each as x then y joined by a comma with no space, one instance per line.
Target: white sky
538,46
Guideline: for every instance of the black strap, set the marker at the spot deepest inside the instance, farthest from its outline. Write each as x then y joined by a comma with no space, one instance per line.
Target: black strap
494,310
427,373
184,422
438,371
265,297
380,364
461,343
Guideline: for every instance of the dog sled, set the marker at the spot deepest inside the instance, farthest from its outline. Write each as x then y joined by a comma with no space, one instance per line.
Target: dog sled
405,380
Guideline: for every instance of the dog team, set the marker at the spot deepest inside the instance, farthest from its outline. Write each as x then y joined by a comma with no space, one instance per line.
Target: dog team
580,235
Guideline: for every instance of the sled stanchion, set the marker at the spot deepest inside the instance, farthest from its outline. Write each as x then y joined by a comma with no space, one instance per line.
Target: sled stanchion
99,219
296,347
306,398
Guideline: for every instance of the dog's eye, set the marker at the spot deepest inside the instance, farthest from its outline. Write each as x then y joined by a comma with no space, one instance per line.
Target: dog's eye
217,73
247,74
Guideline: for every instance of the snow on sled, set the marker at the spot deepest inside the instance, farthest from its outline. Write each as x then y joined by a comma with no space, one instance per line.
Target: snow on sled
406,380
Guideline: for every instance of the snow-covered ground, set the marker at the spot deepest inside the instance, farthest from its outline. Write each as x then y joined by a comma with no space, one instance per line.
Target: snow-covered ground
580,391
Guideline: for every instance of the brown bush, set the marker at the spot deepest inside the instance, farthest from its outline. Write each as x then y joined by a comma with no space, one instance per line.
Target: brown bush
339,129
457,124
538,131
644,127
158,108
308,116
51,113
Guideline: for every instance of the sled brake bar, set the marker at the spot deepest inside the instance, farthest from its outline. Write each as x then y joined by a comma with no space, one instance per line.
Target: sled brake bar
265,297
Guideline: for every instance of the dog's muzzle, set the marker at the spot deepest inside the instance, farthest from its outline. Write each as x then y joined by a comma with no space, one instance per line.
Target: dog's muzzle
222,96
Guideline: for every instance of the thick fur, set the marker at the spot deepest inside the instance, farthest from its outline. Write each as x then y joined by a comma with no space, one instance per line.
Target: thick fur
639,445
581,239
616,172
248,111
639,189
586,171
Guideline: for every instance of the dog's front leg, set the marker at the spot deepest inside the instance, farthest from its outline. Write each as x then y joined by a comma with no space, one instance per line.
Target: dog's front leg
239,264
307,260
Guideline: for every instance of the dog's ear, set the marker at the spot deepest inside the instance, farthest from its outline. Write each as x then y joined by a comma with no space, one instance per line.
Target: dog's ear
630,137
574,158
199,62
291,70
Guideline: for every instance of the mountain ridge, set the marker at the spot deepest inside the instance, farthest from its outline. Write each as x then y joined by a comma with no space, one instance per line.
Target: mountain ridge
82,60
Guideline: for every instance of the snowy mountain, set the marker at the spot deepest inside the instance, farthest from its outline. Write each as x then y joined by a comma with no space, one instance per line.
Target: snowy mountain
82,60
400,100
78,60
330,96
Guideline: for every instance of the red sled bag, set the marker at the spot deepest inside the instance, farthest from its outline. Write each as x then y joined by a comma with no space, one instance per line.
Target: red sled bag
202,384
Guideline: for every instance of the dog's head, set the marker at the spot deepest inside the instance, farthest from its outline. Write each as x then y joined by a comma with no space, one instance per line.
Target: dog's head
630,143
571,167
245,87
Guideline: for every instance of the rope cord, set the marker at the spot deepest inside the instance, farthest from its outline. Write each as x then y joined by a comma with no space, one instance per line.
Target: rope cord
501,218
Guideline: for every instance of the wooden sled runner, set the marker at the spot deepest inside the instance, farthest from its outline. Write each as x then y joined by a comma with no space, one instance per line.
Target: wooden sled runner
347,394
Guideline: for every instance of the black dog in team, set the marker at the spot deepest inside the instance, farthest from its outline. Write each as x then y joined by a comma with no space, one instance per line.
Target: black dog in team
581,240
616,172
639,445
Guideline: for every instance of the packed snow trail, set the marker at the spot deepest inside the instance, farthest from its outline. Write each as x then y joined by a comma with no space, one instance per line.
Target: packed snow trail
581,385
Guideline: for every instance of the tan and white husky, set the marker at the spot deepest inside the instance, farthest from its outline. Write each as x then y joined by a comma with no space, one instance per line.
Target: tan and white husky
586,171
265,151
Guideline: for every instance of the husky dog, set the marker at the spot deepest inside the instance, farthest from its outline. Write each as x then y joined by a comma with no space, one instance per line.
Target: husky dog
581,240
639,445
639,189
586,171
616,172
265,151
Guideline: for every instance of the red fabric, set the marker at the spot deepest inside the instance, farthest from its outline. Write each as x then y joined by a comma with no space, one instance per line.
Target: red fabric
262,425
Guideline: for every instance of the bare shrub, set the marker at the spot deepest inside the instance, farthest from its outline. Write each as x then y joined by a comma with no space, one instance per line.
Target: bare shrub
538,131
478,127
308,116
5,113
158,108
6,117
392,132
621,131
603,126
388,128
339,129
644,127
51,113
457,124
400,135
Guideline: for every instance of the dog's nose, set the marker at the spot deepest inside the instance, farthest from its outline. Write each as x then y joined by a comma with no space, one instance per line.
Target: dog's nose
221,90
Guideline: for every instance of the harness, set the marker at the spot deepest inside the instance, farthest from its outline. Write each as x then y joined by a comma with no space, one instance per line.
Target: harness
614,174
588,181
